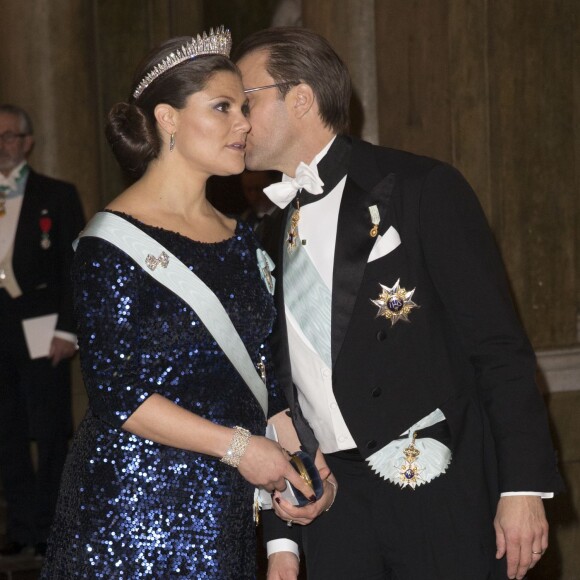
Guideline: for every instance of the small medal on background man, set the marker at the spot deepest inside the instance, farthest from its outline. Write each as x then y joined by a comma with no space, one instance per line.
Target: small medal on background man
45,224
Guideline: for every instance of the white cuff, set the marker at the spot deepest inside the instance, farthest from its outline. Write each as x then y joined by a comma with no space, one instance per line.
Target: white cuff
542,494
282,545
69,336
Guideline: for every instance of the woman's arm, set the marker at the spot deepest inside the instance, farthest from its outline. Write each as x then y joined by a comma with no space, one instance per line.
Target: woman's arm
264,462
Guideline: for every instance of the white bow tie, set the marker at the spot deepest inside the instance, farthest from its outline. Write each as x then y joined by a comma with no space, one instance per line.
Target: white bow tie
8,183
283,192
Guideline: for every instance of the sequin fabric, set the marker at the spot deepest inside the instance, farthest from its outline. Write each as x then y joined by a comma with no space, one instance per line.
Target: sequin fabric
129,507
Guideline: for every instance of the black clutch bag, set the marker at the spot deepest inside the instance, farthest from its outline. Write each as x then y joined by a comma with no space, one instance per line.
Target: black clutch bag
304,465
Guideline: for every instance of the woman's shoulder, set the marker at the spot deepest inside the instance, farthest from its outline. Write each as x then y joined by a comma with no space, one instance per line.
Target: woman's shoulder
95,253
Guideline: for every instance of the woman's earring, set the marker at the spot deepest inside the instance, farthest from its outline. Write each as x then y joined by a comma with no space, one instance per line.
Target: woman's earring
171,141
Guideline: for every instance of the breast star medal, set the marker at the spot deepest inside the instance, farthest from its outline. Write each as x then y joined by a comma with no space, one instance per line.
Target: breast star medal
409,471
395,303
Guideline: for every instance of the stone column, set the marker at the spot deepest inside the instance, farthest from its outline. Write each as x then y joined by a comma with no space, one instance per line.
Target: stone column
531,107
489,86
125,32
47,58
349,27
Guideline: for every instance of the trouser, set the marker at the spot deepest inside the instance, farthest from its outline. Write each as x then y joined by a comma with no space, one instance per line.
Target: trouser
35,404
442,530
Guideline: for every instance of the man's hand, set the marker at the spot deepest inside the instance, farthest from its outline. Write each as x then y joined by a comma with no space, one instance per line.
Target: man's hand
283,566
305,515
521,532
61,349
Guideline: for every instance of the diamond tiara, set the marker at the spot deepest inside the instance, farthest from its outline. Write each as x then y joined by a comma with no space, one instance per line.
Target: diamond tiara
218,42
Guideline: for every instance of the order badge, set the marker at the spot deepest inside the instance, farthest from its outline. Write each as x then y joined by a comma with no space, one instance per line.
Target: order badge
395,303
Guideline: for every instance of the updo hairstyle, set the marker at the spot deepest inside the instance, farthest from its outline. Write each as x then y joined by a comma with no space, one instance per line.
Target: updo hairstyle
131,129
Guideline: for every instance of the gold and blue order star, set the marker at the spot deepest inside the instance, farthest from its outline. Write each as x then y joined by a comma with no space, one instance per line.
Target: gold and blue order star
395,303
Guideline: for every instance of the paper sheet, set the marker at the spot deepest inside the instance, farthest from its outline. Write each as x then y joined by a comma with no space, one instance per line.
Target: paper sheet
39,332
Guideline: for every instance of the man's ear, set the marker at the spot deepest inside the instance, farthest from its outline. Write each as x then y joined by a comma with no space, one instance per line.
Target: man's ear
304,99
166,117
28,145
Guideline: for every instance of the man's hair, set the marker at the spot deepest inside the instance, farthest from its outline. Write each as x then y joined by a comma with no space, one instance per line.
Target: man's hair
25,120
299,55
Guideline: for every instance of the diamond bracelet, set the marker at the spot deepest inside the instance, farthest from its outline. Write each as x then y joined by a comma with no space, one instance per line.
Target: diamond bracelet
237,448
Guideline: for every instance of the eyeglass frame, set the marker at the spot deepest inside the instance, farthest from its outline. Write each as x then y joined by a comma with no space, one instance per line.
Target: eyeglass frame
254,89
8,137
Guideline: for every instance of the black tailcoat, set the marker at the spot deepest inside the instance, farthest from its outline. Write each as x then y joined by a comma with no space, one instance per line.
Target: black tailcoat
464,345
44,274
35,396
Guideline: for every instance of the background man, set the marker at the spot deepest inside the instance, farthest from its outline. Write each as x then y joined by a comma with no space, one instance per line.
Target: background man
39,219
253,185
402,357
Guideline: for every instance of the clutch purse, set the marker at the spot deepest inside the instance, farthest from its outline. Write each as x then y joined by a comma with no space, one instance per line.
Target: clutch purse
304,465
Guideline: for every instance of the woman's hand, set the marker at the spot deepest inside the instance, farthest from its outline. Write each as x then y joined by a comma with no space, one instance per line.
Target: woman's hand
265,464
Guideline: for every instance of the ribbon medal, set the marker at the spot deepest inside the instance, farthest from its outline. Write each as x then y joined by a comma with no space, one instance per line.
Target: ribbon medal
266,265
395,303
3,195
409,471
45,224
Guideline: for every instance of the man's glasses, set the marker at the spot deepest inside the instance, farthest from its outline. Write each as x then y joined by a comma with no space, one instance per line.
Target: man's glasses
9,137
270,86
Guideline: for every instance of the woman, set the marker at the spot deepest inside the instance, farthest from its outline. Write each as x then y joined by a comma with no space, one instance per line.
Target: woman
144,493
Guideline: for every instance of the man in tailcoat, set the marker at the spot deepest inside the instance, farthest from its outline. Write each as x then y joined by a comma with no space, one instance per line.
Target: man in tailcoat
408,374
39,219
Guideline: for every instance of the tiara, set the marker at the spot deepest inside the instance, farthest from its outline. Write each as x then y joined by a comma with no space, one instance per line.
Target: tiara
218,42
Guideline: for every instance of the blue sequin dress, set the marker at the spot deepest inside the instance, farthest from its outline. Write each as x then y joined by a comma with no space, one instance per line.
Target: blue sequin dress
129,507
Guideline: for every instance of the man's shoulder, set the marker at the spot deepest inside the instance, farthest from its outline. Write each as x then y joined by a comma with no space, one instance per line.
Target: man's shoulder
49,190
395,160
50,183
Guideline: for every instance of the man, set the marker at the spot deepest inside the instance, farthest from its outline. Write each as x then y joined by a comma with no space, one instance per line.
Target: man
259,205
39,219
405,363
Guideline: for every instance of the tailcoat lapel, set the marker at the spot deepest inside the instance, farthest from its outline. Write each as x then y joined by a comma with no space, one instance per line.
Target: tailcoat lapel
365,186
28,224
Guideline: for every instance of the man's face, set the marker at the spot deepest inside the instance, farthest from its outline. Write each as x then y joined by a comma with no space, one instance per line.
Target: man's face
271,134
14,146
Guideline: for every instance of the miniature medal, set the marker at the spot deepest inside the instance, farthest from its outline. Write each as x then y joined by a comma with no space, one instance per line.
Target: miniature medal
4,190
395,303
293,231
266,265
262,370
375,220
45,224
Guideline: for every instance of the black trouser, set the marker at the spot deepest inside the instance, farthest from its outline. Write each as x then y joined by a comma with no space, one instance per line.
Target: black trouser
442,530
35,404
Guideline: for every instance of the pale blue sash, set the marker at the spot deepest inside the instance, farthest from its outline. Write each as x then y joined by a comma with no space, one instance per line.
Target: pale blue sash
309,300
168,270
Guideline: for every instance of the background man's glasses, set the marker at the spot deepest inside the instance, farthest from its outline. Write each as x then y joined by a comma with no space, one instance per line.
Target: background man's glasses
8,137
